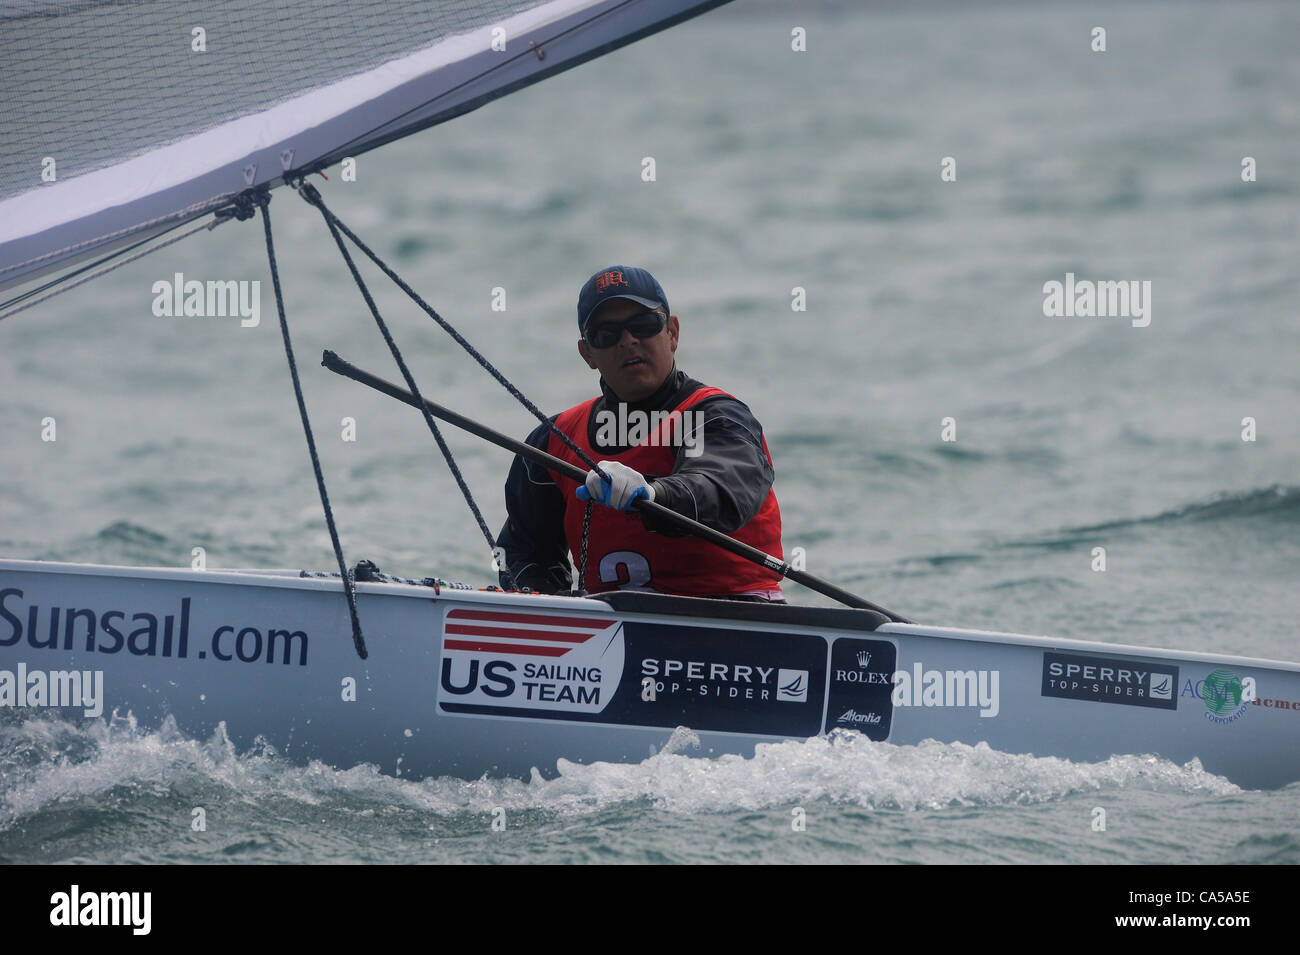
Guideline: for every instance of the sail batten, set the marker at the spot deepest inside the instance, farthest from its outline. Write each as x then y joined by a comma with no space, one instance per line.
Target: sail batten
95,204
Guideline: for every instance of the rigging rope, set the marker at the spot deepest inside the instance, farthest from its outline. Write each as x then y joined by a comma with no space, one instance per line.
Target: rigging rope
306,189
582,557
312,195
60,285
262,198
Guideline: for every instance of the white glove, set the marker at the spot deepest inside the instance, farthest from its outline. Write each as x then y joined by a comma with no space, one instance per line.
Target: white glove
622,488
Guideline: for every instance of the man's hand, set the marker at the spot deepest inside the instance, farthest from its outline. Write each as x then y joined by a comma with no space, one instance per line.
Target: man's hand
622,488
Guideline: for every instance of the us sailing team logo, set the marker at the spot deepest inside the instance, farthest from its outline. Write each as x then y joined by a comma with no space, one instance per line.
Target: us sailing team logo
543,663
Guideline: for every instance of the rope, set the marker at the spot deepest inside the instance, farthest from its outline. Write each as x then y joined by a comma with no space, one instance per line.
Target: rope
434,582
312,195
582,557
58,289
309,192
196,208
263,199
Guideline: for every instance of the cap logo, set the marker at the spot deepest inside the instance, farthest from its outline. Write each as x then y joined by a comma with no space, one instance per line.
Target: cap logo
607,279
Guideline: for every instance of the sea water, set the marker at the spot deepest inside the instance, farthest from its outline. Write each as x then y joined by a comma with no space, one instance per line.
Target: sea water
858,239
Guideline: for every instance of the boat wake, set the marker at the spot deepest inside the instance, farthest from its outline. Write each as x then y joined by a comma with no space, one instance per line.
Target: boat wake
846,767
51,765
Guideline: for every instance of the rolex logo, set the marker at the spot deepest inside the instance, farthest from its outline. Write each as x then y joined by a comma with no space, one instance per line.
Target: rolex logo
864,658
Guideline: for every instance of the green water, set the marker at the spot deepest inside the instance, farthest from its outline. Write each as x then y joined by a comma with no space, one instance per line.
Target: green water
774,169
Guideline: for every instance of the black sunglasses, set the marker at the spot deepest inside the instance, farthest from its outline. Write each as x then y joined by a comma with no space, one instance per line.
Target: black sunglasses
609,334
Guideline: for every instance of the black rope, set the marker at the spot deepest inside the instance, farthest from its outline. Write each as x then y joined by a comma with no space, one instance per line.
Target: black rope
410,381
437,583
244,206
582,557
263,199
111,262
312,195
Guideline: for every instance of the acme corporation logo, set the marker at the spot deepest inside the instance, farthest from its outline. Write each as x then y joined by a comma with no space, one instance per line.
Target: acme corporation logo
1226,695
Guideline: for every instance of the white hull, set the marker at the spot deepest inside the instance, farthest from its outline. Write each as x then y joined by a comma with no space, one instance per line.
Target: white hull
464,683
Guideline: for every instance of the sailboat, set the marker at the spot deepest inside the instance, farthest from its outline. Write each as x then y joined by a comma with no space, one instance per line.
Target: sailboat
426,677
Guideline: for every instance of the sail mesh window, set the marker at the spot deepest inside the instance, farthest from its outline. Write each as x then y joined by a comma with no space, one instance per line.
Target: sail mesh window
147,132
91,84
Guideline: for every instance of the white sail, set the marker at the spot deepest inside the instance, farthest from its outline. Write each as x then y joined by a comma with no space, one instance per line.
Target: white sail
124,120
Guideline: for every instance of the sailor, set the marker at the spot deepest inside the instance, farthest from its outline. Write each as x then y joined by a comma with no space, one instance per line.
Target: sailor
658,434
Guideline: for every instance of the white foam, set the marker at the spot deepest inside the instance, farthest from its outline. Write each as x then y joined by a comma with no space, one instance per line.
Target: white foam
844,768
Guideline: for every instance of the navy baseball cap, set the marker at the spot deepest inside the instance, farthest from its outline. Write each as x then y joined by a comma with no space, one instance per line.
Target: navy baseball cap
619,281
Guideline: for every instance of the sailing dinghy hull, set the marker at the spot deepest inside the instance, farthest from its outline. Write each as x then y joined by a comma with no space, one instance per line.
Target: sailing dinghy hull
466,683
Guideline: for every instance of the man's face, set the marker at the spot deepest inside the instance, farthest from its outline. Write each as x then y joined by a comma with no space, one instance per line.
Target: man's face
633,367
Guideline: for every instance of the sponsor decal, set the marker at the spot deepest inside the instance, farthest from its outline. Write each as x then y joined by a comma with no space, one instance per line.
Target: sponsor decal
1226,695
861,686
737,680
1274,704
956,688
142,633
542,664
599,669
792,686
862,672
851,717
1071,676
712,679
708,679
537,665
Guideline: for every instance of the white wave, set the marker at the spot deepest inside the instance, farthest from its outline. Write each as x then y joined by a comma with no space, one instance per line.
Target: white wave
845,768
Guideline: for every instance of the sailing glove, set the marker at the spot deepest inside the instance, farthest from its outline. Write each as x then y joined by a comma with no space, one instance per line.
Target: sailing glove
623,486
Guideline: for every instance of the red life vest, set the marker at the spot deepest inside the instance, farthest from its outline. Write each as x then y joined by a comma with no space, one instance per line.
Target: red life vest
621,552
